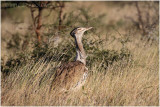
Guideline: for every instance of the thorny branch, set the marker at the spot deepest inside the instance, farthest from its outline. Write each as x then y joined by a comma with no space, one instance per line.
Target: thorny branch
145,22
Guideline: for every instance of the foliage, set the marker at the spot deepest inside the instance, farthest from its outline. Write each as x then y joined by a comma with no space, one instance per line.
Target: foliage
66,52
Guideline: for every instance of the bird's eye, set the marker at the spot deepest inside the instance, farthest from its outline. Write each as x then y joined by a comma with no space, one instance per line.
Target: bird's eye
79,29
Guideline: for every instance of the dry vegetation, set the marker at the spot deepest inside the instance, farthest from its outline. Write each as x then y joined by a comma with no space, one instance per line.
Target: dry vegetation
123,62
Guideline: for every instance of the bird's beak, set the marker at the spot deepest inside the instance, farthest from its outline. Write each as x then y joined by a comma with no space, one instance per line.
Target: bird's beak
89,28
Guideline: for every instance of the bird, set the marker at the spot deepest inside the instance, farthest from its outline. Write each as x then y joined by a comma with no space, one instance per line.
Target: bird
72,75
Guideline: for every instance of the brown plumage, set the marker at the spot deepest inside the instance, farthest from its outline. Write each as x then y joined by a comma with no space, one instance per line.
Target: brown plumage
73,74
69,74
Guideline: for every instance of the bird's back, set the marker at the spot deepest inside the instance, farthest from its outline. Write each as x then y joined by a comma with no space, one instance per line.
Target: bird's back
69,74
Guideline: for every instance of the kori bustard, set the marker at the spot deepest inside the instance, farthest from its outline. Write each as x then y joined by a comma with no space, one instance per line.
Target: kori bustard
72,75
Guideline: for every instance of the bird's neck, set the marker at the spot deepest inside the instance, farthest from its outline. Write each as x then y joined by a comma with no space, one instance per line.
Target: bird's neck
80,52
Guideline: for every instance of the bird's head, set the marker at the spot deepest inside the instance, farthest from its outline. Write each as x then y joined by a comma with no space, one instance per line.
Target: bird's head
79,31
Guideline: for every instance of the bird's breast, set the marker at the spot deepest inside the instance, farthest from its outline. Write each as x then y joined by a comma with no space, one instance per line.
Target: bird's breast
69,74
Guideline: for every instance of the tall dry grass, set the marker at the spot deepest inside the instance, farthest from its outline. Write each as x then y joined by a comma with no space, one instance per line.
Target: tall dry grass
133,82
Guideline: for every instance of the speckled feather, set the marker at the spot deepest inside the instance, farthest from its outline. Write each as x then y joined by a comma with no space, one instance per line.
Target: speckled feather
68,74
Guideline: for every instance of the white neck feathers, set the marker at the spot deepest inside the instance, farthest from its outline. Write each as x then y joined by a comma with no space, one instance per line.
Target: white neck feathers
80,52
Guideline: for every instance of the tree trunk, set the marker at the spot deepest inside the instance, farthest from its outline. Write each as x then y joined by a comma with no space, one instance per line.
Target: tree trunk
61,4
39,24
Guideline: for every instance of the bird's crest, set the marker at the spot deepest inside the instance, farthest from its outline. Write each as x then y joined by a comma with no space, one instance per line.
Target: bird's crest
72,33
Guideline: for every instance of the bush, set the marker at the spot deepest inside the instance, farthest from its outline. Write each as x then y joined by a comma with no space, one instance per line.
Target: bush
66,52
